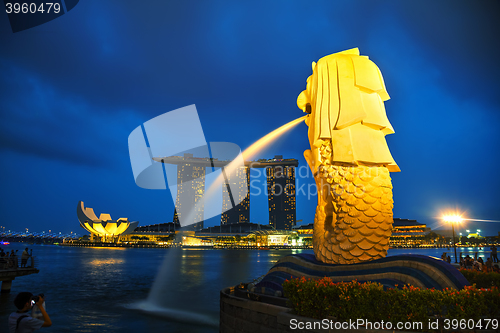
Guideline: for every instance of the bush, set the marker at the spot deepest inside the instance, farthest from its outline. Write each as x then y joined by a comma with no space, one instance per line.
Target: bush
481,279
352,300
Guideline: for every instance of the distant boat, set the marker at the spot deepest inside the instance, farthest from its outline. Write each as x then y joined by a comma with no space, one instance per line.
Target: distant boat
4,243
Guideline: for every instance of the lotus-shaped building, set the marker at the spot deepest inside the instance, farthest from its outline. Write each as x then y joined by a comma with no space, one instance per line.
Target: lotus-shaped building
104,225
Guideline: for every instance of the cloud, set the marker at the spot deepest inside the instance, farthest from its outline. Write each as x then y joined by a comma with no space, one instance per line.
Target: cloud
461,38
41,120
73,89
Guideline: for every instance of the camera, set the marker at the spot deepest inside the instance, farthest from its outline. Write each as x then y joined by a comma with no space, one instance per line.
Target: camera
36,298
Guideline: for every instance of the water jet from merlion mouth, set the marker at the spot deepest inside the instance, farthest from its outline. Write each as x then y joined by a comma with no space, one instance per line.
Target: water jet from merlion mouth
165,299
252,151
269,138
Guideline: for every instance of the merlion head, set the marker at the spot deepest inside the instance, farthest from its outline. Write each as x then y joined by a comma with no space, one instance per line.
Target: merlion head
344,98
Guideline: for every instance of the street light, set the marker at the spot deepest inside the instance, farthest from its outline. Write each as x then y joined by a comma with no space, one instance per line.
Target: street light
453,219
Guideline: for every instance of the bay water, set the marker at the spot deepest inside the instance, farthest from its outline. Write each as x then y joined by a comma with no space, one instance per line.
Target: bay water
140,290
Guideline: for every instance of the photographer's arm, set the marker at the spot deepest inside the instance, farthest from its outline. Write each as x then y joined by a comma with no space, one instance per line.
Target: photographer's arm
47,322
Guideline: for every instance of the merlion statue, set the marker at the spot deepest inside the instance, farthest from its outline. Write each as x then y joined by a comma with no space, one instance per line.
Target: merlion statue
349,158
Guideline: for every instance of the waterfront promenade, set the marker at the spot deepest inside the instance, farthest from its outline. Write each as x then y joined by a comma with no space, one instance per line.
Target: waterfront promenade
10,268
90,289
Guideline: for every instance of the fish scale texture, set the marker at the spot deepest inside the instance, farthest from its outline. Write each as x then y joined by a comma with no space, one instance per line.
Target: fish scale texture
355,223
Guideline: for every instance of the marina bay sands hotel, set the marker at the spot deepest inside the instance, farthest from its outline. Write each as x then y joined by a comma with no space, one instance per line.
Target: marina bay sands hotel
280,188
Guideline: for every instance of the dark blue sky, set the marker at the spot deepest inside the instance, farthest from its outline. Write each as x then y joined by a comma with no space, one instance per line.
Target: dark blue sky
73,89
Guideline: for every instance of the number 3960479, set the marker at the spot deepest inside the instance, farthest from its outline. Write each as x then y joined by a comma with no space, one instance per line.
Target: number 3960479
25,8
470,324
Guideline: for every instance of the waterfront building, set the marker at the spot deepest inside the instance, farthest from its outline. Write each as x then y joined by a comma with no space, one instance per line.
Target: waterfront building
281,193
169,227
191,187
103,228
168,233
306,229
236,206
407,232
281,196
190,190
264,238
191,172
234,229
176,217
188,238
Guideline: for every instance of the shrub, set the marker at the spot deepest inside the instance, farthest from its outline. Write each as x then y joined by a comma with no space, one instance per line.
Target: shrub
481,279
352,300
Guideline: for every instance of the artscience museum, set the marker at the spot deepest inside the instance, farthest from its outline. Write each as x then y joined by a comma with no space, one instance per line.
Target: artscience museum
103,227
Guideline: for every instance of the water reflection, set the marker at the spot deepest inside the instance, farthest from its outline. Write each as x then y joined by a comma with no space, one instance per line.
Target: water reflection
87,288
108,261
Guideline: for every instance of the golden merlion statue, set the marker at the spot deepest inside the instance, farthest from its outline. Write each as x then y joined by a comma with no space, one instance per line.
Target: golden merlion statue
349,158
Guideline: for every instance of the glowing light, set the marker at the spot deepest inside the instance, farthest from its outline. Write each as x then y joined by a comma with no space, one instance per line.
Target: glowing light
452,218
481,220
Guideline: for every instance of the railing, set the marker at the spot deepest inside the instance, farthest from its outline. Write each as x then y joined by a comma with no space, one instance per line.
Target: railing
15,263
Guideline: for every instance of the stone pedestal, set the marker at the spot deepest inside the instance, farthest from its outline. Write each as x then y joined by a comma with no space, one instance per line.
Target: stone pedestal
262,307
394,271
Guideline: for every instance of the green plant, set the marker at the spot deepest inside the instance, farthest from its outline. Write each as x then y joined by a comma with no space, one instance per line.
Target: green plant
481,279
352,300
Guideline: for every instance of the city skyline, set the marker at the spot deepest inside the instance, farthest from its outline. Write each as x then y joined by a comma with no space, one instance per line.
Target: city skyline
235,188
73,89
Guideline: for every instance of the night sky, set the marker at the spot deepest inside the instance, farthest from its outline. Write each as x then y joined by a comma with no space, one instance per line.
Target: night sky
73,89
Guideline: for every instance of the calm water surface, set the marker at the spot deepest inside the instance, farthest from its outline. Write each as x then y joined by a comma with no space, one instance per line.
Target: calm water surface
102,289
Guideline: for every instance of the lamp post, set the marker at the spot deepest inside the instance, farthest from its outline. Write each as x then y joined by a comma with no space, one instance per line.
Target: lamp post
452,220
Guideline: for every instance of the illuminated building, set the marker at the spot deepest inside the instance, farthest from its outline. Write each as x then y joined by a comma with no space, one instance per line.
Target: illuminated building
191,172
103,226
408,233
241,212
176,217
285,199
277,238
168,227
176,221
190,189
240,228
281,195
